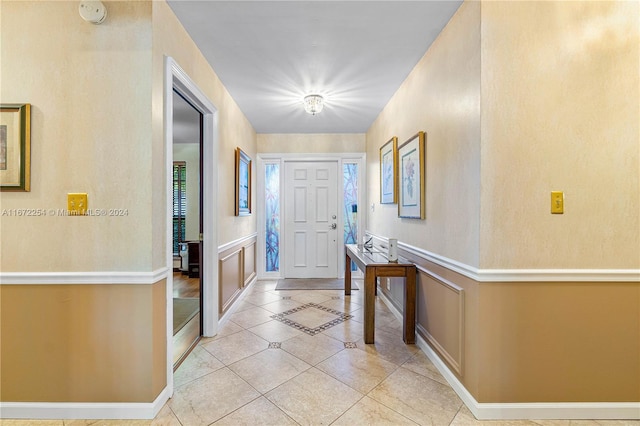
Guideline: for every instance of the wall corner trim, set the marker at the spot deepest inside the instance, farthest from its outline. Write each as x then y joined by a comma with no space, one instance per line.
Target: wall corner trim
100,277
84,410
519,275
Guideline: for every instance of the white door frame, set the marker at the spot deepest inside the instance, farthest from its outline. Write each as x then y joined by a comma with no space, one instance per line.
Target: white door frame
281,159
176,78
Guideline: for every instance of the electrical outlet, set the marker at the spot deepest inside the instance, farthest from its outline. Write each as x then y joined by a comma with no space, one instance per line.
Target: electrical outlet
77,204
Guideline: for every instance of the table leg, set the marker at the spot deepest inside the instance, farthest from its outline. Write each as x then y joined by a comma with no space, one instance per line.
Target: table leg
369,304
409,323
347,275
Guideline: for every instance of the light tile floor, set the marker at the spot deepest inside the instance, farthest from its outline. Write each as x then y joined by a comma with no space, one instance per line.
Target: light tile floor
310,366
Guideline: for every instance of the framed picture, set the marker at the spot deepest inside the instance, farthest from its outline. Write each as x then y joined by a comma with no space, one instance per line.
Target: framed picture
411,159
389,172
243,183
15,147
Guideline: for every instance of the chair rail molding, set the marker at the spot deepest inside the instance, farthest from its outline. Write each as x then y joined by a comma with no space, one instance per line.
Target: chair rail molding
93,277
518,275
239,241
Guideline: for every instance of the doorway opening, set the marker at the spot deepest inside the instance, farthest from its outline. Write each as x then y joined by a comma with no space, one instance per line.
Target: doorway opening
187,227
177,80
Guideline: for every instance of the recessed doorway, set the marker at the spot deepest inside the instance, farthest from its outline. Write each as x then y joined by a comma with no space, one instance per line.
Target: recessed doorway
187,227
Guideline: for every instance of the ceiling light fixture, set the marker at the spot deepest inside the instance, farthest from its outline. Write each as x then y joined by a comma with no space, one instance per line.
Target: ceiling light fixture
313,104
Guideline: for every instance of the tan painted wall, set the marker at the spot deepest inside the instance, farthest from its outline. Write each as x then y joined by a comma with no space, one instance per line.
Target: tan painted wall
90,92
560,111
234,130
82,343
311,143
441,96
559,342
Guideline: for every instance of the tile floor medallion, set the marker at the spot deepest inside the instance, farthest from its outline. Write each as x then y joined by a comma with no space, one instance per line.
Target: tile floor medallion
316,318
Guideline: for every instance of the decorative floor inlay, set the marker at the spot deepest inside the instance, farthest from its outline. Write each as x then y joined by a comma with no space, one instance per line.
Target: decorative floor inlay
274,345
350,345
340,317
336,298
286,297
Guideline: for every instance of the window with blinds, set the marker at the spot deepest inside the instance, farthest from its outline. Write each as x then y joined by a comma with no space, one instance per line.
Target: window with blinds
179,204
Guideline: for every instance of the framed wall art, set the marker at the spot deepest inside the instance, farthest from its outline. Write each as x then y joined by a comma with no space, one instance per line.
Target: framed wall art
243,183
411,165
15,147
389,172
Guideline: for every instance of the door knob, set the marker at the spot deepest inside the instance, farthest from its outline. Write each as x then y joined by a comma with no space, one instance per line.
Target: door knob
333,226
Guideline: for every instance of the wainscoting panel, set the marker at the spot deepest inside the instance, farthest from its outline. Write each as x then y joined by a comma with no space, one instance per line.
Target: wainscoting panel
441,318
230,278
249,256
236,269
533,347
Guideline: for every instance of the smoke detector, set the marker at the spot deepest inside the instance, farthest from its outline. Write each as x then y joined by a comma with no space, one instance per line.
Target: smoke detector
93,11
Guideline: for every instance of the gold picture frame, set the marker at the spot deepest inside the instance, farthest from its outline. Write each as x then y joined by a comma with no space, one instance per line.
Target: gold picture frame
243,183
411,167
389,172
15,147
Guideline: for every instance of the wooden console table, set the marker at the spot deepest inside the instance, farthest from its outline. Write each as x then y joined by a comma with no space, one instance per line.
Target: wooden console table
374,264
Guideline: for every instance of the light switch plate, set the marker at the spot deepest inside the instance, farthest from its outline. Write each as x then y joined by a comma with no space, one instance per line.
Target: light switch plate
77,203
557,202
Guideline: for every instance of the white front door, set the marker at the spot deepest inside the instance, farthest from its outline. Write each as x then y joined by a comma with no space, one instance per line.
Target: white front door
310,215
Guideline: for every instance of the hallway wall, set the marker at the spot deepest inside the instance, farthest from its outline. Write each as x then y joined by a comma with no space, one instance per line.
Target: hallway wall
234,130
518,99
86,295
441,96
560,112
68,335
89,90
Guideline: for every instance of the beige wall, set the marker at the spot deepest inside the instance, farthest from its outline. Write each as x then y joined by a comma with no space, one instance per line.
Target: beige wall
90,92
234,130
441,96
311,143
560,111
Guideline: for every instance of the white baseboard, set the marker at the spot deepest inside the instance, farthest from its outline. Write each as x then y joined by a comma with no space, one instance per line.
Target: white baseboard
523,411
86,410
532,410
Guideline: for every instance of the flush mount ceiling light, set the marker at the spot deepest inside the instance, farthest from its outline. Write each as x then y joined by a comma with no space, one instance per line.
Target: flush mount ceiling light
313,104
